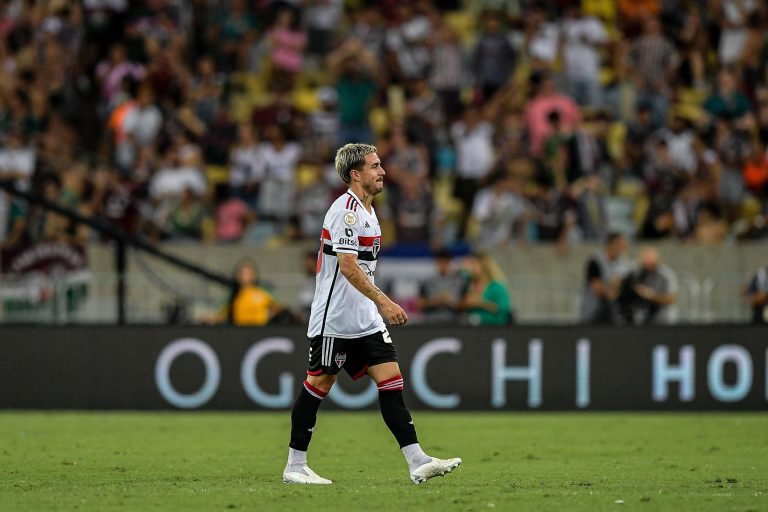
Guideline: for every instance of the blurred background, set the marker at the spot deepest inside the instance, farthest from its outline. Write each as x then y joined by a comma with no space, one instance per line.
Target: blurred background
594,161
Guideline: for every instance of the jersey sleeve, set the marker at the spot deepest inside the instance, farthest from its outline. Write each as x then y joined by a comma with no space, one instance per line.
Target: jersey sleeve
343,227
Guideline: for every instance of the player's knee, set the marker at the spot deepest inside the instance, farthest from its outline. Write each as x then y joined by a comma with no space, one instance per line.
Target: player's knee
322,382
391,384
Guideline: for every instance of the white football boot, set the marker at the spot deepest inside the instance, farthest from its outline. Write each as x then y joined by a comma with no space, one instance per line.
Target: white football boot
438,467
305,476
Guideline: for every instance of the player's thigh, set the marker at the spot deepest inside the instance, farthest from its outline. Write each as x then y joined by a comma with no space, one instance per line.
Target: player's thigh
381,356
384,371
323,382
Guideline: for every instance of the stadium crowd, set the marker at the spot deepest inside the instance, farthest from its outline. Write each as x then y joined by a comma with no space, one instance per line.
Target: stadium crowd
498,121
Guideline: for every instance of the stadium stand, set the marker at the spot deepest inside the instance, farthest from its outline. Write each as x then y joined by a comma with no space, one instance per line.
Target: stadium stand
199,122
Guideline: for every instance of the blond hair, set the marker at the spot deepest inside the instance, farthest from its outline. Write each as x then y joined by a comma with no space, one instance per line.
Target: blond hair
351,156
489,267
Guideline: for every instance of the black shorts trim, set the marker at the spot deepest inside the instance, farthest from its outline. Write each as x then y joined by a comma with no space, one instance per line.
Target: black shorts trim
328,355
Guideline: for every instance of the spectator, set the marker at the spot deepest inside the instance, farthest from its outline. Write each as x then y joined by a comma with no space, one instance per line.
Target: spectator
406,43
234,30
246,168
486,300
447,71
287,44
441,294
473,137
206,89
141,124
173,177
555,214
322,18
233,216
499,213
249,303
757,295
424,114
406,158
186,217
312,201
727,102
113,71
412,207
17,164
367,30
356,71
546,101
115,195
735,15
603,277
581,39
281,158
756,172
494,58
653,59
649,293
593,217
542,38
324,123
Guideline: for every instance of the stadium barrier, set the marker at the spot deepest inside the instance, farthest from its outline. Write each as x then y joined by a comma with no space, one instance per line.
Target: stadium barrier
520,368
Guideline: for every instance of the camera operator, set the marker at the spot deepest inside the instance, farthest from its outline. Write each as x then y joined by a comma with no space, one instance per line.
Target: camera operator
648,294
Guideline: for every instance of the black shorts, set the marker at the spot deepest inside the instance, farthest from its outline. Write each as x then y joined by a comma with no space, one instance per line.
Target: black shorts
329,355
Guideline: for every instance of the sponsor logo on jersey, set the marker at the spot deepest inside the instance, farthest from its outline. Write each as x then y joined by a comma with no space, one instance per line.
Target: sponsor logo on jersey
350,218
340,358
365,268
367,225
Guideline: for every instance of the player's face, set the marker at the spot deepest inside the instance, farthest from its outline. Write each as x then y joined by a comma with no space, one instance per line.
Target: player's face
372,175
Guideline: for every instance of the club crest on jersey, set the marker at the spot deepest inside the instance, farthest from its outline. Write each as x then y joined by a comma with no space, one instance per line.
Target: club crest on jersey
376,246
350,218
340,359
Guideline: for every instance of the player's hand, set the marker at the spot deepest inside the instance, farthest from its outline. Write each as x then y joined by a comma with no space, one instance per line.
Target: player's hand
394,314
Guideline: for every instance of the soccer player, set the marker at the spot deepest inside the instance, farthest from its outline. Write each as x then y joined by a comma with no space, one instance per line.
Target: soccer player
345,328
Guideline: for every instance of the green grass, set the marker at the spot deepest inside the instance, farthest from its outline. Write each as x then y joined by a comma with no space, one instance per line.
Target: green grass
233,461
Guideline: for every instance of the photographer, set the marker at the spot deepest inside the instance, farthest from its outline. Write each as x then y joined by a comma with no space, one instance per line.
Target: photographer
648,294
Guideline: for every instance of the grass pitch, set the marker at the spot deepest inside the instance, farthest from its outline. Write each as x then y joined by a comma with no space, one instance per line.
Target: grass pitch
233,461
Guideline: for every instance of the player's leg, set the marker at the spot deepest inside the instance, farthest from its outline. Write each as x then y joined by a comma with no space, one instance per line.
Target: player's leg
385,372
320,379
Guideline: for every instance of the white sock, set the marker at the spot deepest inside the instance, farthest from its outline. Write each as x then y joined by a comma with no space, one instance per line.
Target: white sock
296,458
415,456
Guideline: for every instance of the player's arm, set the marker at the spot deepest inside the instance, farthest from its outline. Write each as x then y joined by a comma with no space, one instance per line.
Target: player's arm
394,314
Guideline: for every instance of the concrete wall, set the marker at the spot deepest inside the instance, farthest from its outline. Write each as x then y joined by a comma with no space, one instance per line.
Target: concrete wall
544,284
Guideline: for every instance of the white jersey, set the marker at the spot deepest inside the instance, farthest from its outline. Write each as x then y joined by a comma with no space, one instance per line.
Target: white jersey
338,308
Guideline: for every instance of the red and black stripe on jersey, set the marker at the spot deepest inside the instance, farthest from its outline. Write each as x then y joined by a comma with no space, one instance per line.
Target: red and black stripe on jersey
352,203
366,246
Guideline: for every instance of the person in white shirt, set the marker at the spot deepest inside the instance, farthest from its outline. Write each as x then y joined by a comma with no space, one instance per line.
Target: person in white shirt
246,165
498,211
581,38
346,328
17,163
473,139
281,158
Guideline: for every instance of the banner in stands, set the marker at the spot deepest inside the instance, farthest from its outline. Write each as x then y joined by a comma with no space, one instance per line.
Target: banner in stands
465,368
45,281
